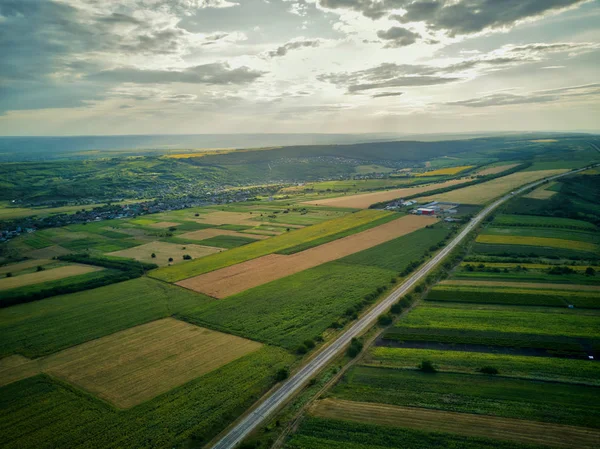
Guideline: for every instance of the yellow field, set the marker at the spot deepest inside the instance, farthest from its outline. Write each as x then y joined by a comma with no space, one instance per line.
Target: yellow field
591,171
530,266
544,140
542,192
487,191
16,267
137,364
446,171
163,224
532,285
45,276
363,201
517,430
537,241
237,278
495,170
163,251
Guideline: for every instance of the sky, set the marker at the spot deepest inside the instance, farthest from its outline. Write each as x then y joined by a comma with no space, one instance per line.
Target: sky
98,67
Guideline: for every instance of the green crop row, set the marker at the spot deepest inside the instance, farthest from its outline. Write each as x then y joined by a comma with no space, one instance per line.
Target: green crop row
317,433
540,221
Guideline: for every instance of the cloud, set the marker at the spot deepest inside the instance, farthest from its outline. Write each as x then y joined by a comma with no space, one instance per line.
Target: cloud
406,75
387,94
398,37
588,91
294,45
215,74
456,17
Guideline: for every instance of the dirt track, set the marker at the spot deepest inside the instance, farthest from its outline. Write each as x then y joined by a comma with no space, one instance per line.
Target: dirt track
237,278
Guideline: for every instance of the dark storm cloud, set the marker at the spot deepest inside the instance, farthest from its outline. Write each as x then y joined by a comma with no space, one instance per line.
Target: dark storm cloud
455,17
284,49
398,37
546,96
215,73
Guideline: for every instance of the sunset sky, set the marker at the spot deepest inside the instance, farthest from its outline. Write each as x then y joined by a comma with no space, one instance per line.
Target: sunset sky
307,66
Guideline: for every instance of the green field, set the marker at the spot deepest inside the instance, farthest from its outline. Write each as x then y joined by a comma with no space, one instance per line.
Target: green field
542,222
263,247
514,296
40,328
317,433
361,185
290,310
40,412
489,249
467,393
543,368
564,234
227,241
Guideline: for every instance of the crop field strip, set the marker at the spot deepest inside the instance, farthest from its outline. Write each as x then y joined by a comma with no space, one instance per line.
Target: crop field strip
142,362
494,170
542,193
506,397
14,268
267,246
40,277
541,221
204,234
446,171
530,266
537,241
487,191
472,425
238,278
561,234
525,285
163,251
318,433
363,201
470,362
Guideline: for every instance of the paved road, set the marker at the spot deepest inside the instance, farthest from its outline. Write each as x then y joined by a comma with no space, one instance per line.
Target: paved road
297,381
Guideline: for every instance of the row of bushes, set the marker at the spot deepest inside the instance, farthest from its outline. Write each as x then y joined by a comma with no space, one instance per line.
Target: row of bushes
106,262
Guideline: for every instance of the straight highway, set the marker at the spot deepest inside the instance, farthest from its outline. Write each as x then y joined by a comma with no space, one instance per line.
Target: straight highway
295,383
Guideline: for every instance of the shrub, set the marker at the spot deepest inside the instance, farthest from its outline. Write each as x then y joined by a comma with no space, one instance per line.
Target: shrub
302,349
153,256
354,348
396,308
196,215
589,271
187,257
40,268
172,229
170,259
282,374
427,367
9,274
488,370
309,344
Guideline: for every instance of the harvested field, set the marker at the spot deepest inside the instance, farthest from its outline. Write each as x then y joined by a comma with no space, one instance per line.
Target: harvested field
536,241
164,224
532,285
203,234
16,267
446,171
47,253
495,170
45,276
164,251
517,430
363,201
223,217
237,278
542,192
137,364
487,191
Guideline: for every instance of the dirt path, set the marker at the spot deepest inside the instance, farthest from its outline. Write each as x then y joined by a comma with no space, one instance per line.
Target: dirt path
521,431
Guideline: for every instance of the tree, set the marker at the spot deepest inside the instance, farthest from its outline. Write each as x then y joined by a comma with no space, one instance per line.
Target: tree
309,344
196,215
488,370
355,348
40,268
282,374
589,271
170,259
153,256
187,257
427,367
301,349
385,320
9,274
172,229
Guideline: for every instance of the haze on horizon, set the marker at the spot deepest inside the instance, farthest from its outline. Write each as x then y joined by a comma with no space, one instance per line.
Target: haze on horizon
78,67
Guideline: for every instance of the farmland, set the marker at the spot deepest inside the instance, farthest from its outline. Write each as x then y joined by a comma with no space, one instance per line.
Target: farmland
265,247
364,200
237,278
494,170
537,241
542,193
470,425
45,276
446,171
204,234
487,191
540,221
134,365
164,251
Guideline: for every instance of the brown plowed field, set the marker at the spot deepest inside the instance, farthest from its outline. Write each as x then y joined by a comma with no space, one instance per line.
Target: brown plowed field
517,430
533,285
211,232
237,278
363,201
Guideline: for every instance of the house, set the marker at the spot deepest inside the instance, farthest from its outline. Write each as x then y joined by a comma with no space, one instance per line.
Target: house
425,211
